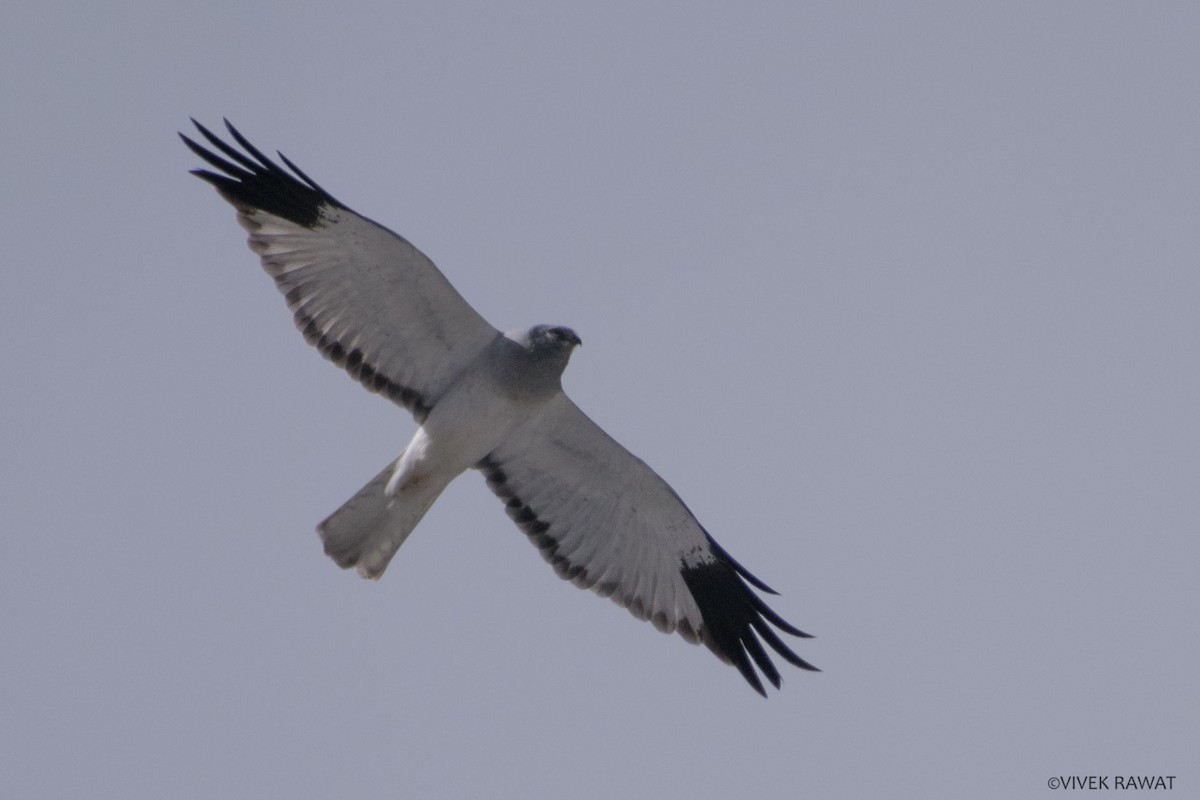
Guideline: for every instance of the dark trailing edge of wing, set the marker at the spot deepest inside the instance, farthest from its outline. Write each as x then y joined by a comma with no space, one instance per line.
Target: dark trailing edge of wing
732,613
259,182
256,182
361,370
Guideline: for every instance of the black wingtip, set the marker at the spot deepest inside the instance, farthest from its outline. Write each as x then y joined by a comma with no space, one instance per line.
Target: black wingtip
720,552
737,623
249,179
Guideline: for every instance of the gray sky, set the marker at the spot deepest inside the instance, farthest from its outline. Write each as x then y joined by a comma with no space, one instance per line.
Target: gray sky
901,298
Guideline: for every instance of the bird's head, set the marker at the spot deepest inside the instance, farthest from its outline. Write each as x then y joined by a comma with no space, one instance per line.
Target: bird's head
551,339
550,345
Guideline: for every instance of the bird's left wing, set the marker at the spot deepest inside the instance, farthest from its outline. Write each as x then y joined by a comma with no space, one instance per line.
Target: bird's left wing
364,296
607,522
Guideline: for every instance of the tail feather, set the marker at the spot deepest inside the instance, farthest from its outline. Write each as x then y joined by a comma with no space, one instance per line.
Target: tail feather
370,527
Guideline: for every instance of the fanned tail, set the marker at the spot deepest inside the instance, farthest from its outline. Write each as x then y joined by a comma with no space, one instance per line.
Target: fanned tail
370,527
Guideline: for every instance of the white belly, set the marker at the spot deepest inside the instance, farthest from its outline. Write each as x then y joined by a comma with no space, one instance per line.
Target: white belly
467,423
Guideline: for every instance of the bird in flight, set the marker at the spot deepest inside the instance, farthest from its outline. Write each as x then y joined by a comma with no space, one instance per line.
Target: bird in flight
377,307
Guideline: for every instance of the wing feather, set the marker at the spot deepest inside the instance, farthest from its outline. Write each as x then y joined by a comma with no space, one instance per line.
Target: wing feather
364,296
609,523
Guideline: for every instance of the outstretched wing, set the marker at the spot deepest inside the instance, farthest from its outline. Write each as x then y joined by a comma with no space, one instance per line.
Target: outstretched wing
609,523
365,297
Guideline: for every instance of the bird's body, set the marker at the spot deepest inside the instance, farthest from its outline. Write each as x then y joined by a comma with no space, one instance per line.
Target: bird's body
505,386
376,306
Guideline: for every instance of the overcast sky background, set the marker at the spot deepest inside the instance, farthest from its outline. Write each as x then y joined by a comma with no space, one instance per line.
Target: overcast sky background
901,298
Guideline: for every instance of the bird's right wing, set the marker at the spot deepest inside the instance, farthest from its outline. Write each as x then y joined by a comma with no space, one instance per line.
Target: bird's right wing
364,296
609,523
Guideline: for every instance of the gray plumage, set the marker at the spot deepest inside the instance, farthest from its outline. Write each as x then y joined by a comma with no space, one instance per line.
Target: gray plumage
374,305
